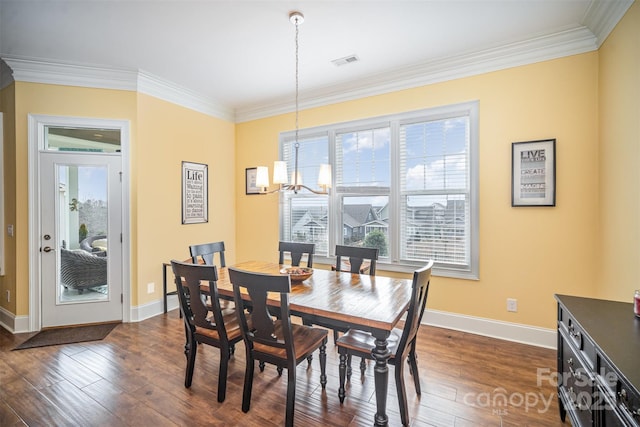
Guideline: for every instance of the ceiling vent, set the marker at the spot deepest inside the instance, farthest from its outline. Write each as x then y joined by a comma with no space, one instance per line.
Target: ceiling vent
346,60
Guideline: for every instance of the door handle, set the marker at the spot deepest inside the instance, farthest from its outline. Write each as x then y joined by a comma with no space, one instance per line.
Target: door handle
48,249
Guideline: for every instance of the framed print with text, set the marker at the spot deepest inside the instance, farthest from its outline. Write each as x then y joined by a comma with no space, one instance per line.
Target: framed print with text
533,173
195,193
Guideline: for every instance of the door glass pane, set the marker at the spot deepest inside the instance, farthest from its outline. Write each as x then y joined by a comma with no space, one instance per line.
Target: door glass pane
82,139
82,230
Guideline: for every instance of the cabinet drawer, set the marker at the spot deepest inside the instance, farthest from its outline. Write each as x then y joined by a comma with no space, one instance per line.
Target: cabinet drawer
577,336
628,401
577,386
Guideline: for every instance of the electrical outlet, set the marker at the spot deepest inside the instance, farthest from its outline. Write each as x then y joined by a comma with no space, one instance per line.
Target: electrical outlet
10,230
151,288
512,304
8,295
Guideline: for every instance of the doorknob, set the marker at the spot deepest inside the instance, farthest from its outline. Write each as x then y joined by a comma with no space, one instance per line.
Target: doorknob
48,249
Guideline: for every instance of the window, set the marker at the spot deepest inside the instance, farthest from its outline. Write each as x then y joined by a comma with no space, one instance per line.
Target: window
406,184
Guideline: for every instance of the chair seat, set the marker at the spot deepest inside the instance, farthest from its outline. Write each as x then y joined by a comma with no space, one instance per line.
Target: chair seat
305,340
363,342
231,325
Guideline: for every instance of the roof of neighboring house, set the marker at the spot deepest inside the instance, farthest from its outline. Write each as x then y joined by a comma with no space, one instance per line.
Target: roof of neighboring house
358,213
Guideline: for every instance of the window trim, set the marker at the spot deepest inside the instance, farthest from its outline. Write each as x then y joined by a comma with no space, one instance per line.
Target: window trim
394,121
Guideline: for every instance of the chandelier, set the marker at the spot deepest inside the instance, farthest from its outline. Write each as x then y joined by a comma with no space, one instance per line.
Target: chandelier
280,167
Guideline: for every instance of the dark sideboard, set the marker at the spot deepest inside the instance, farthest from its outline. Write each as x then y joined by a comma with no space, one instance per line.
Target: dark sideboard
598,362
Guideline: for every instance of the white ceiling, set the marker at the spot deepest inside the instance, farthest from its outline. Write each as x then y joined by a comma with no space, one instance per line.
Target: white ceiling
239,55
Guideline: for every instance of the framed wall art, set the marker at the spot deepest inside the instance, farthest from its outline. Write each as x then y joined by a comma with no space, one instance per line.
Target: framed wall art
250,180
195,193
533,173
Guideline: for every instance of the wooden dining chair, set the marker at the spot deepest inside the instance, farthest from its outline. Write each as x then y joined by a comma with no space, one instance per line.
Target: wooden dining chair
205,252
296,250
273,339
357,256
204,324
401,343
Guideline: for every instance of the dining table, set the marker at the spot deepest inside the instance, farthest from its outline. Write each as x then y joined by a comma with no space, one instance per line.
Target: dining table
370,303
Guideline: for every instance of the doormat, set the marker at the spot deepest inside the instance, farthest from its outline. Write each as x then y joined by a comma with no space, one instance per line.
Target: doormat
68,335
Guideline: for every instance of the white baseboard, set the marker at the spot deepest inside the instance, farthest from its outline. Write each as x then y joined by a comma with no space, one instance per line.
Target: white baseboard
12,323
525,334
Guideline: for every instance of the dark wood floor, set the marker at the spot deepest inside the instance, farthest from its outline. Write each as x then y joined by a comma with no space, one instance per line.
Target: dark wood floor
135,377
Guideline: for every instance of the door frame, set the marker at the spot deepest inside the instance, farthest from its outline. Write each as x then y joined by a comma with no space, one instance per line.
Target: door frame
36,133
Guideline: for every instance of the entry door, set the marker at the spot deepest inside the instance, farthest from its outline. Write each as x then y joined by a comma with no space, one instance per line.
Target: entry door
80,241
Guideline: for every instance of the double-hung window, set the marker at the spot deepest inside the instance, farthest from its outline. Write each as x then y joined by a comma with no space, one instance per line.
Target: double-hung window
406,184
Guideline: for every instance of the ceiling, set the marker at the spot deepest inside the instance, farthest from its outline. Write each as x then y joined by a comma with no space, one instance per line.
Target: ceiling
240,54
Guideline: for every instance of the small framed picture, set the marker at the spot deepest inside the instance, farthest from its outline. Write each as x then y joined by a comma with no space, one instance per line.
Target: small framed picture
195,193
250,179
533,173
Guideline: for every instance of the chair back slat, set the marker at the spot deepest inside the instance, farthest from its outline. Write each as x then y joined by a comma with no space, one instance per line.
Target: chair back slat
417,304
296,250
193,300
266,327
357,255
206,252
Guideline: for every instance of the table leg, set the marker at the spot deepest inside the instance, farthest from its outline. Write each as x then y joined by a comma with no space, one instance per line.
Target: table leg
164,285
381,371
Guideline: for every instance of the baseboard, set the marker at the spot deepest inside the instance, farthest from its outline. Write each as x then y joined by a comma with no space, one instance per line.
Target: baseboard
525,334
12,323
153,308
516,332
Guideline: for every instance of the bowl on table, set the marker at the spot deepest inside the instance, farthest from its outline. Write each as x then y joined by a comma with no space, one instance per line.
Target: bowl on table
297,274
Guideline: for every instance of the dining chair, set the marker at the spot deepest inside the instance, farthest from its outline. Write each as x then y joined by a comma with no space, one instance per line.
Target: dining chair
218,330
296,250
401,343
205,252
273,339
357,256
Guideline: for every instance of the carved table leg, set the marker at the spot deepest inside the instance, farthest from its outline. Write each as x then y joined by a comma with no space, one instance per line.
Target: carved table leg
381,355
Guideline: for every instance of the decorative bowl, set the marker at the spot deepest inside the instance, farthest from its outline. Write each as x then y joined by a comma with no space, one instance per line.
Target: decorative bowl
297,274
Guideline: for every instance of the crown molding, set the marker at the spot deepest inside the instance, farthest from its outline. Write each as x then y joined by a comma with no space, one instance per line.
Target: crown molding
168,91
39,71
602,17
544,48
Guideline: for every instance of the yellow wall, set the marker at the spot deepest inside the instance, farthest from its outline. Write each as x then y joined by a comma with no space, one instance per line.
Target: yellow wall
8,281
168,135
161,136
525,253
619,154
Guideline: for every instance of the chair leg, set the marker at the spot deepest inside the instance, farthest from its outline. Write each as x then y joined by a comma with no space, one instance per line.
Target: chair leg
402,393
261,366
222,373
342,369
191,361
363,366
336,335
248,383
279,369
412,359
348,367
323,364
291,395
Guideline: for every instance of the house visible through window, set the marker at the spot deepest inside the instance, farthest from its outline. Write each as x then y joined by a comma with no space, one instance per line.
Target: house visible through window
406,184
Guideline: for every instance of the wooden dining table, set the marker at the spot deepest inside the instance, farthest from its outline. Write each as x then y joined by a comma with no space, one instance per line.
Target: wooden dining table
369,303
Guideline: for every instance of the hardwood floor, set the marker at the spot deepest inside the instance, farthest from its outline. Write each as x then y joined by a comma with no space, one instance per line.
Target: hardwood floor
135,377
